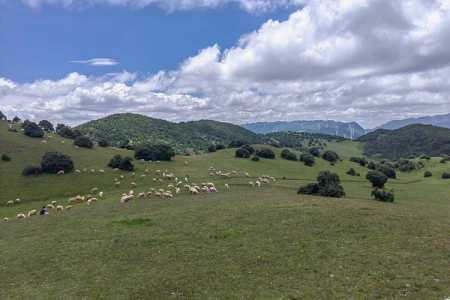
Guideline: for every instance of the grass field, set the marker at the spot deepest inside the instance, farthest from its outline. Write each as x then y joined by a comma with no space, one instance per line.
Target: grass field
246,243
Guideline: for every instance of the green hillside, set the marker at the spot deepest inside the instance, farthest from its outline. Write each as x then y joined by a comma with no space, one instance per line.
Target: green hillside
410,141
136,129
245,243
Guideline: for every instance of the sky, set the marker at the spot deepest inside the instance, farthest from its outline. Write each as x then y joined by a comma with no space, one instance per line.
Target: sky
238,61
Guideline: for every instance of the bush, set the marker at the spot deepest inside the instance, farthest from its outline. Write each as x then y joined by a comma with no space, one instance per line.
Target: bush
31,170
445,175
288,155
371,165
220,147
425,157
386,170
307,159
330,156
314,151
154,152
265,153
242,153
33,130
212,148
5,157
46,125
249,148
382,195
103,143
405,165
65,131
359,160
255,158
16,119
83,142
328,185
236,144
377,178
427,174
309,189
352,172
3,117
53,162
122,163
126,164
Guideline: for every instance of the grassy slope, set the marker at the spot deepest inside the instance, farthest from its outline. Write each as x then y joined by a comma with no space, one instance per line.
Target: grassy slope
247,243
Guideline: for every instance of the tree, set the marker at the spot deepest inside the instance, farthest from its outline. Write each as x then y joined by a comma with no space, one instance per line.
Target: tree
242,153
377,178
427,174
84,142
314,151
3,116
33,130
103,143
154,152
308,159
220,147
386,170
359,160
445,175
6,157
328,185
53,162
65,131
46,125
16,119
351,172
309,189
212,148
236,144
382,195
288,155
330,156
249,148
265,153
126,164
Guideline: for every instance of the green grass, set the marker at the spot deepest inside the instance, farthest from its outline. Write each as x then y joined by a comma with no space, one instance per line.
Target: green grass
247,243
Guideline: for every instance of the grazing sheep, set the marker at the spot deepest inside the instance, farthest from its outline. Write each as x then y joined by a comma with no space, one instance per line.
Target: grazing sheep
227,186
17,201
141,195
68,207
186,162
149,194
32,213
131,192
20,216
59,208
122,177
44,142
100,194
133,184
93,190
10,203
61,172
126,198
251,183
167,194
143,176
193,191
212,189
177,190
5,219
77,171
246,174
53,203
77,199
101,171
258,183
117,183
50,206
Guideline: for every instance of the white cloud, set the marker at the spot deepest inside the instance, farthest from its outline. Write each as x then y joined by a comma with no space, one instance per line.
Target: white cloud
363,60
97,62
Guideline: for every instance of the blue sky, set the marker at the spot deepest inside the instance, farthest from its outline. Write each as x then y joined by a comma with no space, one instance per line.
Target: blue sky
237,61
39,43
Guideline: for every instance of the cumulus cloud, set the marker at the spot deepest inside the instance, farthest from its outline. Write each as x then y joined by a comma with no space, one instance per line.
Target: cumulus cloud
97,62
172,5
365,60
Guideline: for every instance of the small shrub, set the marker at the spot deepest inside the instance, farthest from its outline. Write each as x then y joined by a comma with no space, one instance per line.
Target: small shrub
359,160
154,152
53,162
445,175
377,178
386,170
330,156
31,171
212,148
309,189
236,144
371,165
249,148
382,195
314,151
220,147
83,142
6,157
103,143
265,153
255,158
65,131
33,130
427,174
288,155
126,164
115,161
351,172
405,165
307,159
46,125
242,153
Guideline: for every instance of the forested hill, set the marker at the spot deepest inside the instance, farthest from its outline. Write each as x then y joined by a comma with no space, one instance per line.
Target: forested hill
412,140
120,129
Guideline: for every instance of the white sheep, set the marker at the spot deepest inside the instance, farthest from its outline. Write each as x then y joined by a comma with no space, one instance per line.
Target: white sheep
20,216
5,219
133,184
61,172
126,198
50,206
141,195
77,171
53,203
10,203
32,213
100,194
59,208
68,207
17,200
227,186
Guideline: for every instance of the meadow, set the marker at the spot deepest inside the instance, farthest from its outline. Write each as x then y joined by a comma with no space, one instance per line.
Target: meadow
245,243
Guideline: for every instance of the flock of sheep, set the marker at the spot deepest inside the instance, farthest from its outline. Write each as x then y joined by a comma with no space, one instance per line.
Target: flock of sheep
176,185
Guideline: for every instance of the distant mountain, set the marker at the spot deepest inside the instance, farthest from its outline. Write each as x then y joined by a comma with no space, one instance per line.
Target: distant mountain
412,140
135,129
437,120
348,130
